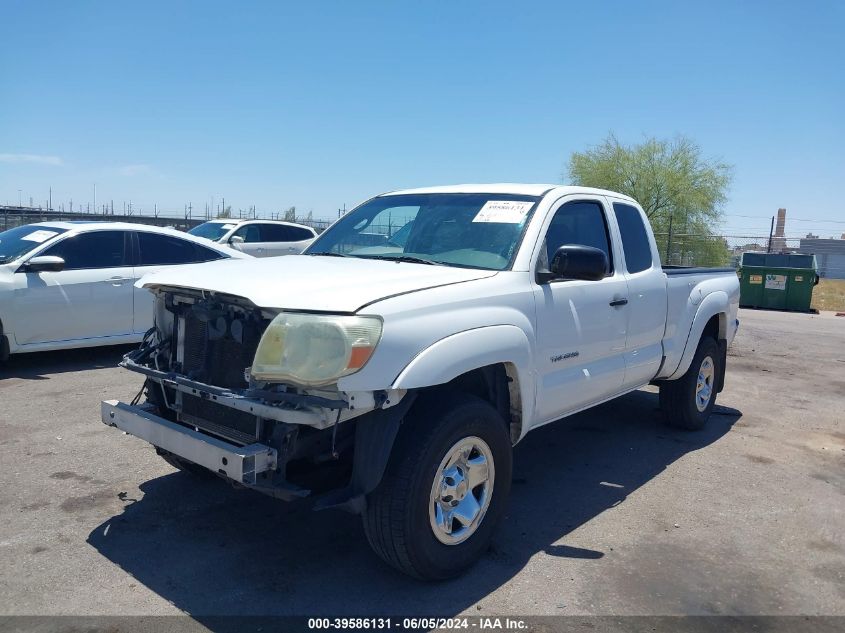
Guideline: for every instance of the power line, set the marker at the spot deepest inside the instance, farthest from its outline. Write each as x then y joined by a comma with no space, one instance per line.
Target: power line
788,218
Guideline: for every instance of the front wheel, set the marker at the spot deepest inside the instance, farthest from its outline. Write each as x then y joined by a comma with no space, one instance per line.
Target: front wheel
434,512
688,401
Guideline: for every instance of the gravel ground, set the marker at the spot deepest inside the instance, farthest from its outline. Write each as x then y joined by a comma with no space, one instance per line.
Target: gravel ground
612,512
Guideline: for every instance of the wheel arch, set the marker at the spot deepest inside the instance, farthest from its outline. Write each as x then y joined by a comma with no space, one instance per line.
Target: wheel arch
491,362
711,319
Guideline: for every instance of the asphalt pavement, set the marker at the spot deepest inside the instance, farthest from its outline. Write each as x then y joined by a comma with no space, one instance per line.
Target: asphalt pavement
612,512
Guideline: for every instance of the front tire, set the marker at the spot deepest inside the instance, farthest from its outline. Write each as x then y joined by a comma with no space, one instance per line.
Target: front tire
688,401
445,489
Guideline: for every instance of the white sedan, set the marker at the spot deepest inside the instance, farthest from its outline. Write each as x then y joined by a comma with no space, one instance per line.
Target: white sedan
72,284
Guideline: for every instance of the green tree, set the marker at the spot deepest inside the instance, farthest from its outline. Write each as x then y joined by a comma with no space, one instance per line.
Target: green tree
680,190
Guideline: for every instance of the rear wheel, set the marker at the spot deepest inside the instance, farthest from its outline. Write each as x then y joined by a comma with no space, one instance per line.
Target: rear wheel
688,401
445,489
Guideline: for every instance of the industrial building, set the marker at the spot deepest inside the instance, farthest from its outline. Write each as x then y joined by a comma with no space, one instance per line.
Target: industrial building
830,255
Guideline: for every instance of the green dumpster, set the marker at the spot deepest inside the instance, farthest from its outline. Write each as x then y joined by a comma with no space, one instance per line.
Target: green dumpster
777,281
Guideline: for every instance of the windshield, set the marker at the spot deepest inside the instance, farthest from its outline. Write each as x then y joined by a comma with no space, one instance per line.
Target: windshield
17,242
453,229
212,230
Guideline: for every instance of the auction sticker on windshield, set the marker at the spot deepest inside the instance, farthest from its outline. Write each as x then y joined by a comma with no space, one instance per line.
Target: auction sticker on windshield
39,236
504,211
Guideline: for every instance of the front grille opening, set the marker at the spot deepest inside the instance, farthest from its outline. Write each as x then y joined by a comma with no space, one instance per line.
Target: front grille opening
217,419
219,343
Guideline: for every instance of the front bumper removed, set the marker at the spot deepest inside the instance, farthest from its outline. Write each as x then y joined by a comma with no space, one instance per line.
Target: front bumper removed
239,463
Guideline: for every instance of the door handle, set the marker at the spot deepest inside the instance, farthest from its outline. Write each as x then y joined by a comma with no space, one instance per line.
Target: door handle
618,302
116,281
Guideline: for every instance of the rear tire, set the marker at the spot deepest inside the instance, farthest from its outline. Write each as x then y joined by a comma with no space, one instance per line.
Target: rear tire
445,488
688,401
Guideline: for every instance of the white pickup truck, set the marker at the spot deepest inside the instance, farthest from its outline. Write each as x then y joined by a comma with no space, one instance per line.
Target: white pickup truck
390,369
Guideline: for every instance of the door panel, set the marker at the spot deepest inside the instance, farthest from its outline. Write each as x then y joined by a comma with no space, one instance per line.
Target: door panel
580,336
581,343
646,325
647,299
252,240
86,300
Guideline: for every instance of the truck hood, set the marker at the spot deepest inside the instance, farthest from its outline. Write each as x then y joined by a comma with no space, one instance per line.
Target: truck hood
306,282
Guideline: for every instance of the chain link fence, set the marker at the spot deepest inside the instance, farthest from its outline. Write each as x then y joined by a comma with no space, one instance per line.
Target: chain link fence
676,249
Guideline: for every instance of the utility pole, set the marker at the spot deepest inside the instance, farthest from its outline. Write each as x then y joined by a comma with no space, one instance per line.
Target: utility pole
669,242
95,197
50,200
771,231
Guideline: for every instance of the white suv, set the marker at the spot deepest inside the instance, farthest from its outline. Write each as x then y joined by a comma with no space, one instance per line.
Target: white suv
259,238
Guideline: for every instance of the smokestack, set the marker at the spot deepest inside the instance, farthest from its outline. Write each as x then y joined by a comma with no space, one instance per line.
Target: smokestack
781,224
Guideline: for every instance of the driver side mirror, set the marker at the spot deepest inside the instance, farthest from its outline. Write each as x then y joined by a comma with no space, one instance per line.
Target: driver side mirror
236,239
576,261
43,263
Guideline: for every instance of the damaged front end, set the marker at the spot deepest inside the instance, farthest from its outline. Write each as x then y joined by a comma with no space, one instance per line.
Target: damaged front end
204,407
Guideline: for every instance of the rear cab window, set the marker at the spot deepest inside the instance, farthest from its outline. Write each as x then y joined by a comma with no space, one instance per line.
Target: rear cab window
635,242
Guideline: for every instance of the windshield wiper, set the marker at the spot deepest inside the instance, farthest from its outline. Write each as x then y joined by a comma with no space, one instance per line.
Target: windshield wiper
328,254
405,258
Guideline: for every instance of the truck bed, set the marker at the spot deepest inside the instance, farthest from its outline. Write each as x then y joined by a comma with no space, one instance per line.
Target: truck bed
687,287
694,270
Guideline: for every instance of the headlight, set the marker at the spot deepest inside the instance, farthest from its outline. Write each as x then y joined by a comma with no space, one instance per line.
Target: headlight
314,350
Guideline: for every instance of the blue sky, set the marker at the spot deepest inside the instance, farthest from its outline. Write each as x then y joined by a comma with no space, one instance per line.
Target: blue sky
317,104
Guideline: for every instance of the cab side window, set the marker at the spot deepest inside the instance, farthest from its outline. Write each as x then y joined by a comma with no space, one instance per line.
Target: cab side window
579,222
97,249
634,237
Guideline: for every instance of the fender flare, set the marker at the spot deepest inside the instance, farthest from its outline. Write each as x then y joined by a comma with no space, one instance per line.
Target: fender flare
466,351
716,303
